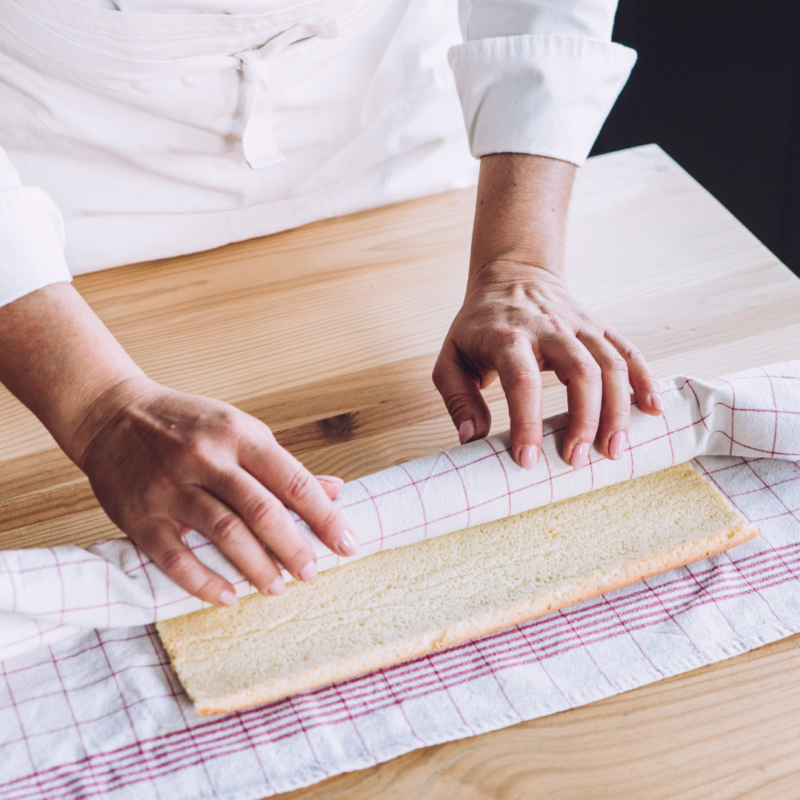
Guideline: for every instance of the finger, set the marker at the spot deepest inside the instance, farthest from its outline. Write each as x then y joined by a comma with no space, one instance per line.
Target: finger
645,386
204,512
289,481
161,541
612,433
330,484
579,372
268,519
522,383
460,390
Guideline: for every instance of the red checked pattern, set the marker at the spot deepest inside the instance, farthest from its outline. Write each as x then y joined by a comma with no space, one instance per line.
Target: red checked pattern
50,594
100,714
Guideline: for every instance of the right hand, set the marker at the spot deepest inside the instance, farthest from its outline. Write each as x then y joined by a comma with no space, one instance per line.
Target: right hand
162,462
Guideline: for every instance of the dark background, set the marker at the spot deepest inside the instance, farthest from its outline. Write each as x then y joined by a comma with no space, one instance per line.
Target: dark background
717,86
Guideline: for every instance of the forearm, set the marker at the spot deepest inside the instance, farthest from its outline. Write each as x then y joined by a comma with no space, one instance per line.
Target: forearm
58,358
521,212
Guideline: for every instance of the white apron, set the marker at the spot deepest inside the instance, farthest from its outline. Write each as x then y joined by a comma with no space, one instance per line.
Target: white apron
162,134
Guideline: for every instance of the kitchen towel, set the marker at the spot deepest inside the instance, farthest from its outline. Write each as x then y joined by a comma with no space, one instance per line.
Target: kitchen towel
51,593
99,714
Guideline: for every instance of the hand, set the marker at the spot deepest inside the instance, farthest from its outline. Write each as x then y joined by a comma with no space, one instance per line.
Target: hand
162,462
518,320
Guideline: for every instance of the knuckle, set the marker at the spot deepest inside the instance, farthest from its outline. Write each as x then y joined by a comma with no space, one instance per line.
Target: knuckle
195,450
330,519
264,513
226,528
155,496
529,432
222,430
249,427
439,375
299,556
266,432
627,351
506,337
453,366
458,404
586,432
301,486
177,564
520,380
616,419
585,426
227,423
560,327
206,589
587,370
635,359
258,440
263,577
612,362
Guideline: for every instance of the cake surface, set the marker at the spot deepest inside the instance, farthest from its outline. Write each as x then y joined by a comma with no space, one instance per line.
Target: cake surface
403,603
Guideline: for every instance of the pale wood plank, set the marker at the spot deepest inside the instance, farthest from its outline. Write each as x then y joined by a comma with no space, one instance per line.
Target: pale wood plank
81,528
329,334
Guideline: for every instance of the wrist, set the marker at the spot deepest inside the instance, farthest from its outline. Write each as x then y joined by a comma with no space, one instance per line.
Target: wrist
508,272
58,358
105,410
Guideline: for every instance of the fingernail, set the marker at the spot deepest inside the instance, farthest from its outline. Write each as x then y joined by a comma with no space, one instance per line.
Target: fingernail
348,545
528,456
309,571
656,402
329,479
616,445
466,430
580,456
277,587
228,598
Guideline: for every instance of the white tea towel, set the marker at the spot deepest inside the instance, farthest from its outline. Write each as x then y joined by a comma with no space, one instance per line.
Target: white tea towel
101,715
49,594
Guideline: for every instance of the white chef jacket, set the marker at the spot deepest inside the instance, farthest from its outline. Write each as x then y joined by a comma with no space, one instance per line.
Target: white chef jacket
160,134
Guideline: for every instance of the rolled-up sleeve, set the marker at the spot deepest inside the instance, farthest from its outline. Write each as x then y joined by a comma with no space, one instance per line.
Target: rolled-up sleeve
31,237
538,76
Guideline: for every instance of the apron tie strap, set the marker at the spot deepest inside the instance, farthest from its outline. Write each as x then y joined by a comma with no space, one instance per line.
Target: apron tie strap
258,136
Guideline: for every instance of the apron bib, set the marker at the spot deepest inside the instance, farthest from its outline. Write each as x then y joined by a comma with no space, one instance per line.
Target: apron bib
164,134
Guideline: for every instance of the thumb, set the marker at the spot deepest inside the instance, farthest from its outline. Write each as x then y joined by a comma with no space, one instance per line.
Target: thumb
462,396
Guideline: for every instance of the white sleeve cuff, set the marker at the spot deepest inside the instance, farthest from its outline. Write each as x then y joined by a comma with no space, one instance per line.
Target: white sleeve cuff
544,94
31,243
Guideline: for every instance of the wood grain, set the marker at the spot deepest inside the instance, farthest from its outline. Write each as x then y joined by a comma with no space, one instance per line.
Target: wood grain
329,334
728,730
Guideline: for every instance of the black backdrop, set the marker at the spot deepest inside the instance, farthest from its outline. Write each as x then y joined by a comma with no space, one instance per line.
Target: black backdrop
717,85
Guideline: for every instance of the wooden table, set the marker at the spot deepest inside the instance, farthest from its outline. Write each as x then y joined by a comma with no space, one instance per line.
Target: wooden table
329,333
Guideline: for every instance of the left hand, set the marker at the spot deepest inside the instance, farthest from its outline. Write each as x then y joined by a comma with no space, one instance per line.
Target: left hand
518,320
